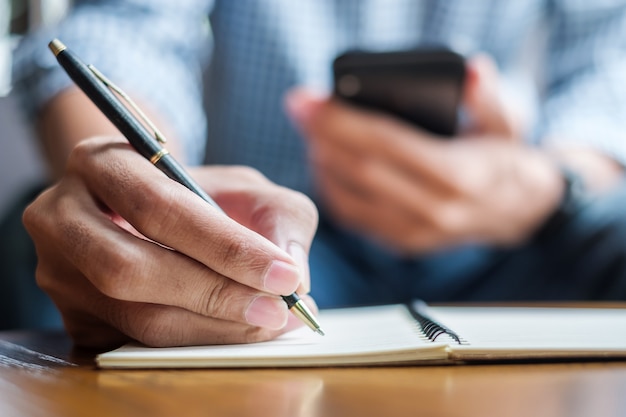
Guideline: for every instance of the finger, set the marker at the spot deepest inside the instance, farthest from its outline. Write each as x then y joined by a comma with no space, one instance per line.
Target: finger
332,122
170,214
125,267
160,326
372,178
407,232
285,217
154,325
399,210
483,99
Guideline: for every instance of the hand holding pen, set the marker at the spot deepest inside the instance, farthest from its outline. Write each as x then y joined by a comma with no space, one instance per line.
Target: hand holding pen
127,253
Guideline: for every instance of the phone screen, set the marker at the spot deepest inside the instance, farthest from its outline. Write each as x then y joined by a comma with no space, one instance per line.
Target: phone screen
423,87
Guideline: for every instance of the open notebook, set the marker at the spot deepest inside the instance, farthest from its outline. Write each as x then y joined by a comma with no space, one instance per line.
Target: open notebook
415,334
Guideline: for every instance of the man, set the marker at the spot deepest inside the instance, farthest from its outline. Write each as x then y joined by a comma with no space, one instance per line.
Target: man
403,214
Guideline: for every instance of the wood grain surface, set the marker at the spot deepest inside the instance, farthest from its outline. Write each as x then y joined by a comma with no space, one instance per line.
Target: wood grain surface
41,375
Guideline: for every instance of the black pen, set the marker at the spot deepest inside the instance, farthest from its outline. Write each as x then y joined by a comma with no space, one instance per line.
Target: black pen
98,88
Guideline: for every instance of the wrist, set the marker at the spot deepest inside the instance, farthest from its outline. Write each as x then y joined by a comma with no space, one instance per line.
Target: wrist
599,171
573,198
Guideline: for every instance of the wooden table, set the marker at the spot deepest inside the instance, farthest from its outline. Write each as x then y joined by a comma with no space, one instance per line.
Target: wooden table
40,375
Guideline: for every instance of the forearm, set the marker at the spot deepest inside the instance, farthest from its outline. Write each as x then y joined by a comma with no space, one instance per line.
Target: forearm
71,117
153,49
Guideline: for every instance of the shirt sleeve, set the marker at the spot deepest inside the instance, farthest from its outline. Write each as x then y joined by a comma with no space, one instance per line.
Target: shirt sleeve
585,89
153,49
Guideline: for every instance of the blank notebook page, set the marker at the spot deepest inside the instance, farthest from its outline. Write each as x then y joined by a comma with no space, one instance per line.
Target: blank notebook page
376,331
547,328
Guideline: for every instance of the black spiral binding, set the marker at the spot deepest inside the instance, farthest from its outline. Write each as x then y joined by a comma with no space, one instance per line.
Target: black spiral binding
429,327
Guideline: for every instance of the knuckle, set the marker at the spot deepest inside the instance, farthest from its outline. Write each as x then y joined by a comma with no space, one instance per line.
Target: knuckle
233,251
268,214
306,207
250,174
449,219
51,220
257,334
214,300
81,154
283,202
44,280
52,206
34,216
155,208
467,182
159,330
117,273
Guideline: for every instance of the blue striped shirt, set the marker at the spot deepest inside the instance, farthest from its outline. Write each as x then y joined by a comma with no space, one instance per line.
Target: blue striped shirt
567,58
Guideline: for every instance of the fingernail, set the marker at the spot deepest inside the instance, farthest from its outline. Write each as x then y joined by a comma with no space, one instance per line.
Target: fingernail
281,278
299,255
267,312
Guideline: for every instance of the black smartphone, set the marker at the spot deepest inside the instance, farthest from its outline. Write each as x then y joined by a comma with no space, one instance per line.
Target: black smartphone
421,86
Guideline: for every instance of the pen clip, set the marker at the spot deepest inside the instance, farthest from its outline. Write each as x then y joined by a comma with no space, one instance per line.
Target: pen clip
108,83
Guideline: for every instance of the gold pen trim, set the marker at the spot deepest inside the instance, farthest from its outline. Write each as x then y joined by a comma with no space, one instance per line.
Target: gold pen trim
157,133
301,311
157,156
56,46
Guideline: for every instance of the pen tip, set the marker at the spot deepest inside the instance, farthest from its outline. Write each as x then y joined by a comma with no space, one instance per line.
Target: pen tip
56,46
320,331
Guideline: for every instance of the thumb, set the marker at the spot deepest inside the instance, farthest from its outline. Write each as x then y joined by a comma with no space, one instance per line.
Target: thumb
489,114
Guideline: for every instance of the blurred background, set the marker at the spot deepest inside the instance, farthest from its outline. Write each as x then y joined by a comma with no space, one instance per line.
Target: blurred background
20,165
22,174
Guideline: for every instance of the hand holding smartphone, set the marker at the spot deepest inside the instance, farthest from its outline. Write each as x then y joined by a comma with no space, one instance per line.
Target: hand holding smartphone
423,87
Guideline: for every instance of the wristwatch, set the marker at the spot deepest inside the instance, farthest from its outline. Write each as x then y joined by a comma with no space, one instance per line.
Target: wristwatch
573,199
